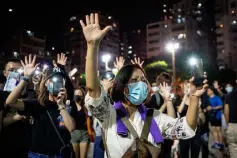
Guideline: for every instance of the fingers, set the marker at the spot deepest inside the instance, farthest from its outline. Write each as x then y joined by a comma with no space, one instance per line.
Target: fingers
65,59
106,29
82,24
92,18
132,62
87,20
54,63
26,60
30,59
22,63
136,60
142,63
34,59
96,18
58,57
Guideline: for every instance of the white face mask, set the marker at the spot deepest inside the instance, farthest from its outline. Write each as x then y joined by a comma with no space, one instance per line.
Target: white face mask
155,89
229,89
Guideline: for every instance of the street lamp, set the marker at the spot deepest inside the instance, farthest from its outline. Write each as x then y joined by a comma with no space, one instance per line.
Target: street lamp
193,61
172,47
106,58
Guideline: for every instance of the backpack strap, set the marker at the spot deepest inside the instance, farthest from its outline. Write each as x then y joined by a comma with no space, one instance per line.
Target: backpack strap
147,124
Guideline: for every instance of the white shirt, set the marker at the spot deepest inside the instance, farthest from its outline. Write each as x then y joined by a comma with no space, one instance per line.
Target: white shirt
102,109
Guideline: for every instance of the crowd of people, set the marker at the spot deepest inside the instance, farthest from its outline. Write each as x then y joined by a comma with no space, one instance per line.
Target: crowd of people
42,115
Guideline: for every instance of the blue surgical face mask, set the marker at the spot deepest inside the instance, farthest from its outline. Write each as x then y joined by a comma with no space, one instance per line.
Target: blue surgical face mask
229,89
138,92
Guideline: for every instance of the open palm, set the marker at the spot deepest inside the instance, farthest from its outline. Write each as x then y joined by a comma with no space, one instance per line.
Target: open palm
91,30
29,65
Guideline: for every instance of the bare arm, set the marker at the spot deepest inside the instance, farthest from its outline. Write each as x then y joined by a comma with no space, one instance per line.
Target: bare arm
226,112
12,119
218,107
170,109
68,120
181,106
93,35
162,108
192,113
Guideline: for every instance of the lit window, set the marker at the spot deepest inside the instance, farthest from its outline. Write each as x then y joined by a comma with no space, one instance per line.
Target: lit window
121,48
15,54
164,11
233,22
130,47
178,20
233,12
29,33
183,19
166,26
138,31
121,44
199,12
164,5
134,55
114,25
73,18
199,5
221,25
171,17
181,36
179,16
130,52
72,29
179,10
10,10
110,17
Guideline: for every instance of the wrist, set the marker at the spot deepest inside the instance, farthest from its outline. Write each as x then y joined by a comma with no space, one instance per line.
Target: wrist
25,78
167,99
61,107
94,44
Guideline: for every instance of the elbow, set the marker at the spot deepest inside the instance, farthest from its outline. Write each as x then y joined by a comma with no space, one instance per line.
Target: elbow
72,128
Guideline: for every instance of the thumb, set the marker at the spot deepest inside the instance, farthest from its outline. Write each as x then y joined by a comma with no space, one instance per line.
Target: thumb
106,29
54,63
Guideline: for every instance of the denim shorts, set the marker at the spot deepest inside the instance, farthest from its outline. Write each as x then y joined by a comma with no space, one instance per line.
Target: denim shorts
37,155
79,136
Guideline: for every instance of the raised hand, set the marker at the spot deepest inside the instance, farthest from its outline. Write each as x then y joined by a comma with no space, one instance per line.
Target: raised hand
165,91
107,84
92,31
197,91
137,61
61,59
61,97
118,64
29,65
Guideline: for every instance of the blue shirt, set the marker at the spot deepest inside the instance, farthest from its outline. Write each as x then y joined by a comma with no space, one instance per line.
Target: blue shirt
216,101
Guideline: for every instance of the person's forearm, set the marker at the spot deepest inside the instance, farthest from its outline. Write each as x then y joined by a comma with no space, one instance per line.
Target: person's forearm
220,92
162,108
192,113
15,94
170,109
68,120
218,107
9,120
226,112
91,70
181,106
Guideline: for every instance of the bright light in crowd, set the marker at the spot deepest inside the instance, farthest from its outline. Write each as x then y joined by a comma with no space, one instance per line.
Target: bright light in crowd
52,48
10,10
234,22
45,66
199,5
55,79
130,52
193,61
37,72
110,17
73,78
171,47
130,47
221,25
106,58
15,54
20,71
164,5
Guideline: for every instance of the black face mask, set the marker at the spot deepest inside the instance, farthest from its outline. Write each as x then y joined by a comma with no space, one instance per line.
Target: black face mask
77,98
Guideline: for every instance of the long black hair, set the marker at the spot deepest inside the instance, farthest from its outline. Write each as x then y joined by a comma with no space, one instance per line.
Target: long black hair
121,81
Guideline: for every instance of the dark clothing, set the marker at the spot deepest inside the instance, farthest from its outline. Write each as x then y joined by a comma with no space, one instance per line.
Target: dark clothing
231,100
194,144
156,101
184,112
98,147
81,120
166,148
44,138
14,138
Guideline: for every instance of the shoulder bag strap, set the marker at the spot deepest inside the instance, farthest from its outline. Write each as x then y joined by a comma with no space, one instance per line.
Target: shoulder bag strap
130,127
105,145
147,124
56,130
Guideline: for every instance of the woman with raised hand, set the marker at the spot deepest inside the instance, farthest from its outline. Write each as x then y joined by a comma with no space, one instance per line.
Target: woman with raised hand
130,128
53,120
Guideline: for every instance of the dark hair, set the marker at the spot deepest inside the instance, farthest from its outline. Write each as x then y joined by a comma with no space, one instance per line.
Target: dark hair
164,77
14,60
121,81
83,95
213,89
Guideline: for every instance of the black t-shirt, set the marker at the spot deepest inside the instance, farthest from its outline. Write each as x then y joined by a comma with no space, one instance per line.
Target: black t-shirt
156,101
81,120
44,138
3,98
231,100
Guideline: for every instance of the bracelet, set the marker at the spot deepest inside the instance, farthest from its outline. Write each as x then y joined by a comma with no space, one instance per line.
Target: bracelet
25,78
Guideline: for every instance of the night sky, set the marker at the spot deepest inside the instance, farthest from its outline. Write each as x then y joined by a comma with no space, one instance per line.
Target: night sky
51,19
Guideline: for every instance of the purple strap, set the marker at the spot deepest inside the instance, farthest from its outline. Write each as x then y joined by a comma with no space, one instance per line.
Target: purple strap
122,129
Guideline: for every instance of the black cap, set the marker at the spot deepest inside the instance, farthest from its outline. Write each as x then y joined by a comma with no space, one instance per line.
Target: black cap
55,71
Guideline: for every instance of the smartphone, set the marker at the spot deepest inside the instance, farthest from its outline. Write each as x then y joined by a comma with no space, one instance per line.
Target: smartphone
13,79
198,73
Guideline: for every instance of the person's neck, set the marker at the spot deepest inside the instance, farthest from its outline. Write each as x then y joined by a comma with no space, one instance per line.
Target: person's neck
131,109
213,95
79,107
